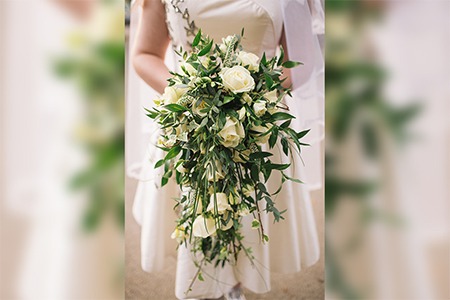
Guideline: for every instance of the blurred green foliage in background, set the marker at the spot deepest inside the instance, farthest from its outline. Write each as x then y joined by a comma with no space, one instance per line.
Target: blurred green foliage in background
356,109
95,64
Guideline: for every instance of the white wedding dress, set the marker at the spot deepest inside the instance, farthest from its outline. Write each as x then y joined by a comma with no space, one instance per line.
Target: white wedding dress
293,242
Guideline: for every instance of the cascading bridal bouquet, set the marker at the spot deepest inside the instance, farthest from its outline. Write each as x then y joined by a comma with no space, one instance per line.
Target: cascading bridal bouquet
215,116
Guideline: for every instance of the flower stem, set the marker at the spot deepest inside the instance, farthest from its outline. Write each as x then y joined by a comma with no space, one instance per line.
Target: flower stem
259,215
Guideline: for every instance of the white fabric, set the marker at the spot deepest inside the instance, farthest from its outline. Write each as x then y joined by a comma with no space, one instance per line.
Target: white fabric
263,23
307,103
45,254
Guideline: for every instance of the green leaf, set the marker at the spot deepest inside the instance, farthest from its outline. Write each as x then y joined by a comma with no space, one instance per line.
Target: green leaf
259,85
266,173
255,224
280,59
285,144
273,137
285,124
269,81
282,116
206,50
254,172
197,38
175,107
302,133
258,155
264,59
204,122
278,166
222,119
294,138
279,189
168,173
215,109
227,99
292,179
159,163
178,177
291,64
200,277
151,114
266,238
260,186
173,152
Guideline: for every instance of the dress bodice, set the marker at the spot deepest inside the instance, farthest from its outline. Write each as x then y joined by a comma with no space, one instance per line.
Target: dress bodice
261,20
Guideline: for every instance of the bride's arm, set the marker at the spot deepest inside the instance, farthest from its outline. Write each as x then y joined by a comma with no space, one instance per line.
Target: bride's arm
152,39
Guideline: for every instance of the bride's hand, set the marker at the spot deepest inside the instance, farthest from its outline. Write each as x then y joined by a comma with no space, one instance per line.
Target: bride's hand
152,39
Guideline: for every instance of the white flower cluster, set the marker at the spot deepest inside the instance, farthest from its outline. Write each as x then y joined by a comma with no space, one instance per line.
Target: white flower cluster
216,114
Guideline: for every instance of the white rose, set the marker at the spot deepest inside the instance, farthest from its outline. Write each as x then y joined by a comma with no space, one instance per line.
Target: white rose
232,133
260,108
219,172
271,96
190,70
203,227
248,190
246,99
170,95
237,79
261,130
248,59
222,203
173,94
